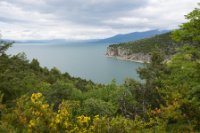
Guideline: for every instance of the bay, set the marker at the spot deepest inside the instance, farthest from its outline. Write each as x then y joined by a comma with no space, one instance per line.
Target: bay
86,61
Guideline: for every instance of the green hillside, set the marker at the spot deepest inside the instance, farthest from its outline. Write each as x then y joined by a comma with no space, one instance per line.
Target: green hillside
162,41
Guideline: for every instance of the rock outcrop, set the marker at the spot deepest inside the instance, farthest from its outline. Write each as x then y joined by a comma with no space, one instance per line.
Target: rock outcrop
124,54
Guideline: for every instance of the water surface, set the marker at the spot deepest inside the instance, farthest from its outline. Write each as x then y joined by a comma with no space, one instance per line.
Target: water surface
85,61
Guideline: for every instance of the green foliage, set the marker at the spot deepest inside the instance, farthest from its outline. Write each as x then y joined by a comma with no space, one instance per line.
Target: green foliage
148,45
181,83
92,107
4,46
35,65
34,114
189,32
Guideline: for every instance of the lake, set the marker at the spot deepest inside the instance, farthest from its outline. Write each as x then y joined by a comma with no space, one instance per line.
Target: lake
86,61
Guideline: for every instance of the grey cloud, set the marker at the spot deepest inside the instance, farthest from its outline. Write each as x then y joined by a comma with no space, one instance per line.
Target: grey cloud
86,12
91,18
11,20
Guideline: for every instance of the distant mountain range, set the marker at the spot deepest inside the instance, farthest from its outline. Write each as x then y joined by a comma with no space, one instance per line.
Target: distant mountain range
115,39
131,36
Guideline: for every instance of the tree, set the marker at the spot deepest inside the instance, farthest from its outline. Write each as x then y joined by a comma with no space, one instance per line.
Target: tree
189,32
4,46
152,73
35,65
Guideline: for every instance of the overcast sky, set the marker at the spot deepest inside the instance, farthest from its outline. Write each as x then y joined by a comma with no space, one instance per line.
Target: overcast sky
88,19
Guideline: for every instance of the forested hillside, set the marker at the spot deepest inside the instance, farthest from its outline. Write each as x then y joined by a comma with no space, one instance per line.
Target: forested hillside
147,45
141,50
35,99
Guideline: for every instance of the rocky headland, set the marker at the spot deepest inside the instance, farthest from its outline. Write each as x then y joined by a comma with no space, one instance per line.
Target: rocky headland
124,54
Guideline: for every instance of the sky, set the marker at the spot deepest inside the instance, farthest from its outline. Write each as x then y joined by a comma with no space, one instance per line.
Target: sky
88,19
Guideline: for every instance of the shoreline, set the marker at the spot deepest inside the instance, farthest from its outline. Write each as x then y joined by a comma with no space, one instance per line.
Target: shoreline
122,58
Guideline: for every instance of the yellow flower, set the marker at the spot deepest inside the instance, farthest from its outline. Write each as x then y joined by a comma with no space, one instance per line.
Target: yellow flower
31,123
96,117
66,124
35,96
57,120
64,112
83,119
37,113
39,95
45,106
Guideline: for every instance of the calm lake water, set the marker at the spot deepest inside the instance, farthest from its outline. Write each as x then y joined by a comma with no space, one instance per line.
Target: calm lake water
85,61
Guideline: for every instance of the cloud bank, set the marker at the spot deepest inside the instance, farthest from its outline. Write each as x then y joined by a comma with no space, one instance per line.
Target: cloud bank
88,19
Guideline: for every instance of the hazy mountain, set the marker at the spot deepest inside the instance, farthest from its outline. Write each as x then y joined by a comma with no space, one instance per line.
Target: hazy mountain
114,39
131,36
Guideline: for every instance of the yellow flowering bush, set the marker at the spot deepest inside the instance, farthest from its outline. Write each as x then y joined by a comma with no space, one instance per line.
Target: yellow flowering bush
61,119
33,114
35,98
83,120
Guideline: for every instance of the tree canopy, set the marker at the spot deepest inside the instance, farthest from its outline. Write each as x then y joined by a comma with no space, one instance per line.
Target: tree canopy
189,32
4,46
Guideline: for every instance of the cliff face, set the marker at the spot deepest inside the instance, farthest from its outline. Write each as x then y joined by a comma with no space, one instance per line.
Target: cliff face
124,54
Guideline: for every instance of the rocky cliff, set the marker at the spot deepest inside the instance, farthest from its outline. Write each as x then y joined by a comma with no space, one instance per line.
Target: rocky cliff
124,54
